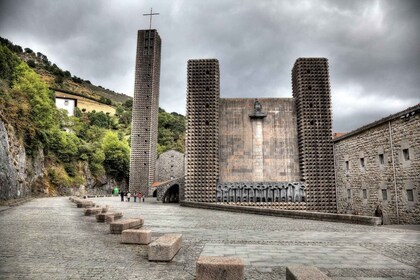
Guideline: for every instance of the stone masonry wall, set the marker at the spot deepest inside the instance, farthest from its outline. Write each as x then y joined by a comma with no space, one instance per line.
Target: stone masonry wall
365,169
169,166
280,153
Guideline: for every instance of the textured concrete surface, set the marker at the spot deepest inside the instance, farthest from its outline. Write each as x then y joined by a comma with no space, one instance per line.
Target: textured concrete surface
215,268
253,150
165,247
136,236
51,239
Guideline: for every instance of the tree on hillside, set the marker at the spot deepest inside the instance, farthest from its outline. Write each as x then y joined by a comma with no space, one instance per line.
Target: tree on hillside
117,156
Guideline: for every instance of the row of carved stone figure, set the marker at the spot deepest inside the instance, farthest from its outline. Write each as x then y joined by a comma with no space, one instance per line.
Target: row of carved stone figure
261,192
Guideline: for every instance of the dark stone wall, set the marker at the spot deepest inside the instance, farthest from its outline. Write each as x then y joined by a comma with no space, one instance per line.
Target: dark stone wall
237,132
145,111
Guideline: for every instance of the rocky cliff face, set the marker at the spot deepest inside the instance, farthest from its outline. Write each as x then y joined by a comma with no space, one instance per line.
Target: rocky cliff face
19,173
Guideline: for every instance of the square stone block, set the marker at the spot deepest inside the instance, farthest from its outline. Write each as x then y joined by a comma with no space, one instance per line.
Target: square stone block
118,226
214,268
108,217
303,272
136,236
165,247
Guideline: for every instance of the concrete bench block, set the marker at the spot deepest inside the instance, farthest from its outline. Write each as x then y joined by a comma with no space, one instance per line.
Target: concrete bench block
214,268
109,216
93,211
85,204
303,272
136,236
165,247
118,226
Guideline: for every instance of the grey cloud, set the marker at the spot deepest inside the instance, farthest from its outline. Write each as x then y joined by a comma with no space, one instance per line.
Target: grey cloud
372,46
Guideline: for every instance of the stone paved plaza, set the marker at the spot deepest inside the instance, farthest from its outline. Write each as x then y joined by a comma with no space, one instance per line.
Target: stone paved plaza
49,238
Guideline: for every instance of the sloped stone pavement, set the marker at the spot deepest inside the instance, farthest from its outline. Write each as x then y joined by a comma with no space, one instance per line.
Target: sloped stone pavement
49,238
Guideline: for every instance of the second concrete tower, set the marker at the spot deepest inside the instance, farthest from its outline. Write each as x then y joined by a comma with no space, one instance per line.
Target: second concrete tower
144,129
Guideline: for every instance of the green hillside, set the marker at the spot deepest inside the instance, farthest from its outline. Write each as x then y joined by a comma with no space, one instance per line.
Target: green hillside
97,139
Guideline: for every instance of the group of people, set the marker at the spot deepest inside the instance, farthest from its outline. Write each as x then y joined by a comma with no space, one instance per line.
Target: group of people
135,195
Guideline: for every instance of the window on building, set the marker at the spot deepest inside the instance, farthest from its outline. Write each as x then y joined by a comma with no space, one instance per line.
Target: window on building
348,193
66,102
347,165
311,105
362,162
384,194
410,195
406,154
309,87
364,193
207,105
207,122
207,72
381,159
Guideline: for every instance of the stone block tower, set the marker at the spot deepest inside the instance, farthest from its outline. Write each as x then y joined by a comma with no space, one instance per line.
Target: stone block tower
311,91
145,111
202,137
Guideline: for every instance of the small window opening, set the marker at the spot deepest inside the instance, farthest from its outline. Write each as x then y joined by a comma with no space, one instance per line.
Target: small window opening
410,195
312,122
309,87
207,105
348,193
406,154
145,141
207,122
347,165
362,162
311,105
308,71
207,89
384,194
364,193
381,159
138,135
145,152
145,163
207,72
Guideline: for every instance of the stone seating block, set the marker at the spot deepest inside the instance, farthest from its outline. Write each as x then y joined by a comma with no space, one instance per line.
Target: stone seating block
105,217
118,226
105,209
93,211
213,268
85,204
136,236
165,247
303,272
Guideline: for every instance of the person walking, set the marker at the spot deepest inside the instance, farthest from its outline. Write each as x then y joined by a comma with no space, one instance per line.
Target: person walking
135,196
122,195
128,196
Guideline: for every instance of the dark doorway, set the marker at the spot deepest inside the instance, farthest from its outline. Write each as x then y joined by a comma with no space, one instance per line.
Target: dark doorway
155,193
172,194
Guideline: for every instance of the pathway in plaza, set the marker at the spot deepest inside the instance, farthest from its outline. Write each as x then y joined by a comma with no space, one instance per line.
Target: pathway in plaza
49,238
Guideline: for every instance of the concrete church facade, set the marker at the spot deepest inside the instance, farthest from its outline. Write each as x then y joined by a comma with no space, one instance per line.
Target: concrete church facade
273,152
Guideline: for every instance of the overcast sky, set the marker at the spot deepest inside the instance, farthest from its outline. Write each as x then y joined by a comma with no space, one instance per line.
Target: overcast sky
373,47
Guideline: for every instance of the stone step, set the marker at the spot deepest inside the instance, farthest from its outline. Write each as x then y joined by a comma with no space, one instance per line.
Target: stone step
165,247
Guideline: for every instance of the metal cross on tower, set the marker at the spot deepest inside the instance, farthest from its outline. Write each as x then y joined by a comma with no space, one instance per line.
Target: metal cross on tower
151,15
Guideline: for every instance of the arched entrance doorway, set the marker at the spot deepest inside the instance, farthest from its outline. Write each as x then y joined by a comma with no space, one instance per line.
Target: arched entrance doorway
172,194
154,193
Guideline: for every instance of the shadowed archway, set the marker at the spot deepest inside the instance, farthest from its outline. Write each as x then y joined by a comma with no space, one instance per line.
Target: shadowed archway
171,195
